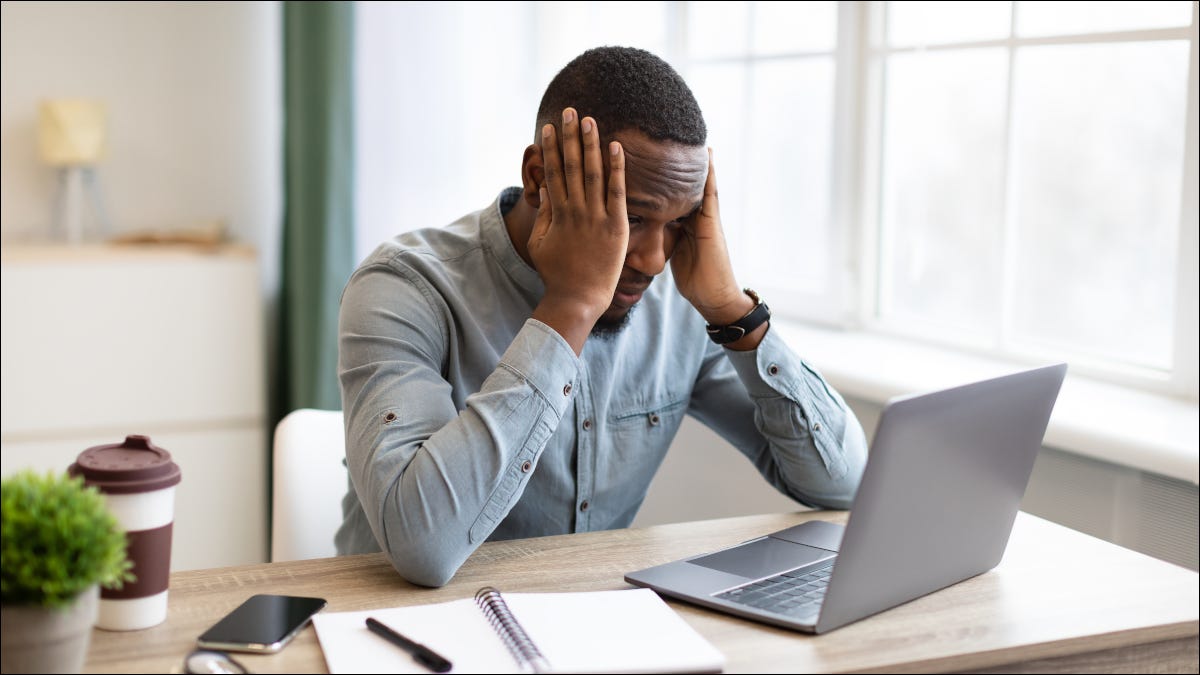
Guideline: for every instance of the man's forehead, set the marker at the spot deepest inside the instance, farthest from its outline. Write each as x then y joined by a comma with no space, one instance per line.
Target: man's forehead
660,174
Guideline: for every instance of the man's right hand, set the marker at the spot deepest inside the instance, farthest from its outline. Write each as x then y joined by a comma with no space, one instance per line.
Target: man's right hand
581,233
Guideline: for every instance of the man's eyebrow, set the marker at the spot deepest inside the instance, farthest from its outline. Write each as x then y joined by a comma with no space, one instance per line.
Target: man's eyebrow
655,206
641,203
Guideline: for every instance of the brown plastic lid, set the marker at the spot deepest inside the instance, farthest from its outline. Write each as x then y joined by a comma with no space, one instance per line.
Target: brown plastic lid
137,465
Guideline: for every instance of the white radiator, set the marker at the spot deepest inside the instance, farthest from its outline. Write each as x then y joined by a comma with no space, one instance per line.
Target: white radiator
1146,512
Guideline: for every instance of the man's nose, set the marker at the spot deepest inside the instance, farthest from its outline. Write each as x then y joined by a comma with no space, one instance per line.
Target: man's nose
648,251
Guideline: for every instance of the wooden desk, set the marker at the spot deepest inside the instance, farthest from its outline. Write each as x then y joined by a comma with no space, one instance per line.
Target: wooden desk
1060,601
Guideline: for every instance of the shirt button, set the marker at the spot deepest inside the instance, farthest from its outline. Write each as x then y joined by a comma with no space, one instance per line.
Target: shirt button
390,417
772,369
567,389
526,466
583,506
816,426
654,419
587,425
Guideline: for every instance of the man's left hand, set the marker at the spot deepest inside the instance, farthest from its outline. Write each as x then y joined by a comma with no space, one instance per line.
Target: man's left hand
700,263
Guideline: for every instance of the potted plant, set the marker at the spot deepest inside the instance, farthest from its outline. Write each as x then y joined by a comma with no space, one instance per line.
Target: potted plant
58,544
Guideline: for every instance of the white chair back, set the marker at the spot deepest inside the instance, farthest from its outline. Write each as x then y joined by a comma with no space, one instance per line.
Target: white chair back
309,478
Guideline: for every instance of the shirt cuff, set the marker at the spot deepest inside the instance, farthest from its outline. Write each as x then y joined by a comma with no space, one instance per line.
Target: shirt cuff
766,369
541,356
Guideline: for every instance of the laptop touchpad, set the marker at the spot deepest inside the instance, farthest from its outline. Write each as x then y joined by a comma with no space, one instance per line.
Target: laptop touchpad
762,558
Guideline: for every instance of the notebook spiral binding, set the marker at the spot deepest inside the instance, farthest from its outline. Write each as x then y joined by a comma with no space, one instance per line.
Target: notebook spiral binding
526,653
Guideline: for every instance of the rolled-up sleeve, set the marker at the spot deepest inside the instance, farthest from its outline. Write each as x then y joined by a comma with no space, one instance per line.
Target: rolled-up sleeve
433,480
779,412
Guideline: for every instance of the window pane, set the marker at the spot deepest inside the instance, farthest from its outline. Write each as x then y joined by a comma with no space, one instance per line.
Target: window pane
789,169
567,29
720,90
1063,18
920,23
942,205
717,29
1098,156
784,27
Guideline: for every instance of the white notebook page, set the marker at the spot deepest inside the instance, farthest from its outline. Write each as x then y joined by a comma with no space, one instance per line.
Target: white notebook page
605,631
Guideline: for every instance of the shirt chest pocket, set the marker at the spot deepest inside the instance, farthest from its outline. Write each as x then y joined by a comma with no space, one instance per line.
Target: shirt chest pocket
661,416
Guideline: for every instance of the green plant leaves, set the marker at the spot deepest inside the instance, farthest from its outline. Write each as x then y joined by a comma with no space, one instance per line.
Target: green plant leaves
57,538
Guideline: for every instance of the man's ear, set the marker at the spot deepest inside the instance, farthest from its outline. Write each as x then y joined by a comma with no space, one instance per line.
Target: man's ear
533,174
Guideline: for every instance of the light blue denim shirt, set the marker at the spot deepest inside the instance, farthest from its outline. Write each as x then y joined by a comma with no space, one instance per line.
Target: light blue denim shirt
467,420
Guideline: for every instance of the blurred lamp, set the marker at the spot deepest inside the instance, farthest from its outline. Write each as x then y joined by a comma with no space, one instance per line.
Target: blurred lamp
71,137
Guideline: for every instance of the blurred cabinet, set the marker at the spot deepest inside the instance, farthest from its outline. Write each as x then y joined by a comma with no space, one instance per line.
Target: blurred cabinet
100,342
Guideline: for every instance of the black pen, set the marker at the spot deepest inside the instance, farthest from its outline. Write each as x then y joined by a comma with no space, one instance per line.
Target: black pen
420,653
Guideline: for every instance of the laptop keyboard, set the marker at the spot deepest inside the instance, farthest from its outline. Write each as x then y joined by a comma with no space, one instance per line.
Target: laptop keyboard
792,594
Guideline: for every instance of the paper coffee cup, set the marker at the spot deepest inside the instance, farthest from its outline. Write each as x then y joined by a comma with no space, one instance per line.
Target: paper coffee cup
138,481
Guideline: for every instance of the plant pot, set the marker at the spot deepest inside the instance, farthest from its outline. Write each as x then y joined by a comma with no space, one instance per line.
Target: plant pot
48,640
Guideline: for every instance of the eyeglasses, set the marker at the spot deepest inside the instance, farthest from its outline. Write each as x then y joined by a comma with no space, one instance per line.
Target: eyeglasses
208,661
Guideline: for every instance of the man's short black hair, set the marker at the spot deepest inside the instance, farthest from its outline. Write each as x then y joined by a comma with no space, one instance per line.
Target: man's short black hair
625,88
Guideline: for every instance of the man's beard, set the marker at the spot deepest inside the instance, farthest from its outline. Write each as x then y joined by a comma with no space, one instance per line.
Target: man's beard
609,329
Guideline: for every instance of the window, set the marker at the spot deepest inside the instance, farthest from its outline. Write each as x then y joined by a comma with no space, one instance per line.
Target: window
1033,190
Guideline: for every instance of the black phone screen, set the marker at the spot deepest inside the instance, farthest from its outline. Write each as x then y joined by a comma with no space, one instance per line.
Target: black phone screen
263,623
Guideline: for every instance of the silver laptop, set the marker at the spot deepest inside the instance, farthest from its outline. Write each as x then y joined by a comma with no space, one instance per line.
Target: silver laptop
941,489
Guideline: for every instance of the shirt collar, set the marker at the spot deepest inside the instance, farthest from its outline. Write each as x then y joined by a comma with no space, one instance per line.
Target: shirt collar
495,237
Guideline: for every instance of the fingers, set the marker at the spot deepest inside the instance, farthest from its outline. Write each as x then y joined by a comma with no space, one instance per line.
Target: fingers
593,166
616,183
572,161
552,166
575,168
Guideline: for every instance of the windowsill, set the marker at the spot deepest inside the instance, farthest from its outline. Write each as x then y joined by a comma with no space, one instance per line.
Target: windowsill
1151,432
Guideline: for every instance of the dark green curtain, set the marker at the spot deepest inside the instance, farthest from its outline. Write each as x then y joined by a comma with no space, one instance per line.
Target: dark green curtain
318,228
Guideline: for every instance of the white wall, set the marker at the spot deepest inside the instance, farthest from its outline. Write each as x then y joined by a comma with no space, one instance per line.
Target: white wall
705,477
194,95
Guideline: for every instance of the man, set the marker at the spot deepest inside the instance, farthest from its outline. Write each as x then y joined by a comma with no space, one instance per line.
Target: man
523,371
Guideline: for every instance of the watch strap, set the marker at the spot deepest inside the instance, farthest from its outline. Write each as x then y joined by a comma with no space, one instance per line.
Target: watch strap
735,331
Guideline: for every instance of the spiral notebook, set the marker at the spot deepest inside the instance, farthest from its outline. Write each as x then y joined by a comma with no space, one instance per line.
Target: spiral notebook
595,632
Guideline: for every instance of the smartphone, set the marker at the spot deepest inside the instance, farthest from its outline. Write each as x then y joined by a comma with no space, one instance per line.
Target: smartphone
264,624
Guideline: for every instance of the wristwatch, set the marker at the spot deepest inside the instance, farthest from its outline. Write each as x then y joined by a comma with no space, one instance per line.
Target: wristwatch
723,335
